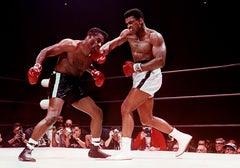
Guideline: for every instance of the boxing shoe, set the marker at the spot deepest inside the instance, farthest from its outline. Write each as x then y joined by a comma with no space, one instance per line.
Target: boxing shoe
26,155
183,142
95,152
182,139
125,152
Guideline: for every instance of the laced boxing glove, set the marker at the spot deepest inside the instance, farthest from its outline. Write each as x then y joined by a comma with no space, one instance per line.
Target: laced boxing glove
98,77
130,67
33,73
98,56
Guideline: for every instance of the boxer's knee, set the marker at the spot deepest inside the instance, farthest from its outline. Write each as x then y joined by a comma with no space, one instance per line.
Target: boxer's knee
51,119
99,114
125,109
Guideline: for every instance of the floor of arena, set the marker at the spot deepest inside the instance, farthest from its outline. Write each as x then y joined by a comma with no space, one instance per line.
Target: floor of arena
73,158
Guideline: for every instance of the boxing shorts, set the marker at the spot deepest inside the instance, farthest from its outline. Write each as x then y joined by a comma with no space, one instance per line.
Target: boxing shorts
66,87
148,81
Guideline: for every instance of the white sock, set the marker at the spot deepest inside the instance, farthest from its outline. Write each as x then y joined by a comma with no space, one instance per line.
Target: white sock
126,144
173,133
96,141
31,143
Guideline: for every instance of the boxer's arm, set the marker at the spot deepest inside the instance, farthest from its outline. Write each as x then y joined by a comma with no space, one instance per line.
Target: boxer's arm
65,45
158,51
110,45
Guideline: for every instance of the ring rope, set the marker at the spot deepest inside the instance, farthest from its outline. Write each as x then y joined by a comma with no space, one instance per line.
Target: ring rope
180,97
160,98
203,68
188,70
208,125
18,102
198,96
164,72
5,78
140,126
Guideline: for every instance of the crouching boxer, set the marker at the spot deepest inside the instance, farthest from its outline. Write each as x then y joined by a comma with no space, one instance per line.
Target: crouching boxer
64,86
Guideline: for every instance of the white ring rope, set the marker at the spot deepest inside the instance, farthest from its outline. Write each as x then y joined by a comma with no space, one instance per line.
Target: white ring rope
198,96
5,78
203,68
161,98
208,125
18,102
180,97
188,70
164,72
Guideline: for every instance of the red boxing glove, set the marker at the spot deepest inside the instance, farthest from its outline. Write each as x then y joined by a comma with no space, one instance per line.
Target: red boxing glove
98,56
33,73
129,67
98,77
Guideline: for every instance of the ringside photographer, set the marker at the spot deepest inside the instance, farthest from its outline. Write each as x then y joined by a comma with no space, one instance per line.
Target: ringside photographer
16,137
149,139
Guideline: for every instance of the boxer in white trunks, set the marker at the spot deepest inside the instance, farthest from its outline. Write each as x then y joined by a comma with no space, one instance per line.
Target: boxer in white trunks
149,54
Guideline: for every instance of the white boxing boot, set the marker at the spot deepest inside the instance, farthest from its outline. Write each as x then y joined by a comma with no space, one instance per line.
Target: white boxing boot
182,139
125,150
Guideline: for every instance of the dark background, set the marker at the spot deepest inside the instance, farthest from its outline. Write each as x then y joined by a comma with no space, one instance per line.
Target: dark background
197,34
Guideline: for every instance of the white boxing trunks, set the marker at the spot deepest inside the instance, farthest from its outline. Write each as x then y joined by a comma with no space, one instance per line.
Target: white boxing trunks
148,81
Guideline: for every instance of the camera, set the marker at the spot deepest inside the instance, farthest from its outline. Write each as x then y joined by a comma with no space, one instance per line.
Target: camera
20,132
115,131
59,131
147,131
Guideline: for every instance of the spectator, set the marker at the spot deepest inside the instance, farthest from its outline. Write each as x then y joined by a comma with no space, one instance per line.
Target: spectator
62,133
104,137
202,142
16,137
74,139
233,141
59,121
230,148
238,150
219,145
44,141
114,139
68,124
1,141
170,142
52,130
209,145
175,147
192,146
201,149
56,133
150,136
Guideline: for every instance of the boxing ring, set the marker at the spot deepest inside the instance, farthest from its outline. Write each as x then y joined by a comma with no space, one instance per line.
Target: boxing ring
48,157
71,157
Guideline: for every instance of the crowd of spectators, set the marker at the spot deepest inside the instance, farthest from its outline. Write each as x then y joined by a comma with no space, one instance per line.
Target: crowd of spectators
70,135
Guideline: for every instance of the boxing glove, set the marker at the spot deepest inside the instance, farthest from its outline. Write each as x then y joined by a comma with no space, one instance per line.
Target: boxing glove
33,73
130,67
98,56
98,77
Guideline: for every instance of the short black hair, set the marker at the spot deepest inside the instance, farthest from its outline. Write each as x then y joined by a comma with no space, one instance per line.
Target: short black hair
135,12
94,31
17,124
